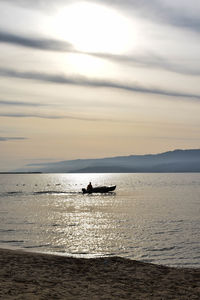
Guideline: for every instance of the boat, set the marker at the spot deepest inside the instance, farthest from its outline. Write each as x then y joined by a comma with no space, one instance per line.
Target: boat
100,189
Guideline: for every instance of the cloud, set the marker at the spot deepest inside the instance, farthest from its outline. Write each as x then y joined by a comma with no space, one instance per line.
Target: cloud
96,83
56,117
36,43
19,103
184,14
151,60
179,13
176,138
5,139
147,60
30,115
39,4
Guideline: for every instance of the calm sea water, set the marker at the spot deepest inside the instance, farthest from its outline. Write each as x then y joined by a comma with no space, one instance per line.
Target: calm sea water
151,217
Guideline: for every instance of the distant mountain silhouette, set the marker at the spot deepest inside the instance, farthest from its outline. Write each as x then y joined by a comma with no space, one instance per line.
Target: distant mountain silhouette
168,162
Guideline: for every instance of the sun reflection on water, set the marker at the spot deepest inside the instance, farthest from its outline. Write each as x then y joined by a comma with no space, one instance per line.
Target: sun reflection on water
83,222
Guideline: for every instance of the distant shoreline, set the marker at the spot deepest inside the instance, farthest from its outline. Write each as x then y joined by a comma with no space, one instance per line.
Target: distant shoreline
177,161
21,172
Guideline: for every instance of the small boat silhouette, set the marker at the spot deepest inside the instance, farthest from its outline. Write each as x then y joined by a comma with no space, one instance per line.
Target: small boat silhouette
99,189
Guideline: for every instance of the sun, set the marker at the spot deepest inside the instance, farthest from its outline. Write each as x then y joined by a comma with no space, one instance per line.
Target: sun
93,28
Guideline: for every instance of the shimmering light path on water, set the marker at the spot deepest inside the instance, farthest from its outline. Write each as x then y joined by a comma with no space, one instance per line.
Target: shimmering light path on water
151,217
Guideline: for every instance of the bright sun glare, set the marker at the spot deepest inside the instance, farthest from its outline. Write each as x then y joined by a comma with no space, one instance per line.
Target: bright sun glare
93,28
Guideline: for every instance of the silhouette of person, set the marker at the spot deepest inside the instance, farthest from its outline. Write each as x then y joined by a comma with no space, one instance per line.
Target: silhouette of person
89,187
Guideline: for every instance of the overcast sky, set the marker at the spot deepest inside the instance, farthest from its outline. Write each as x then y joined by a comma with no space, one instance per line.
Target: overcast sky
91,79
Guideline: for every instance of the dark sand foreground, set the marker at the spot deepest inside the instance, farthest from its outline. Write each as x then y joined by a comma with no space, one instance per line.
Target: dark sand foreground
41,276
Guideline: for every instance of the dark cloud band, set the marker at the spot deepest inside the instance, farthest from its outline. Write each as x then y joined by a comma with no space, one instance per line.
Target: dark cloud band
55,117
36,43
5,139
18,103
95,83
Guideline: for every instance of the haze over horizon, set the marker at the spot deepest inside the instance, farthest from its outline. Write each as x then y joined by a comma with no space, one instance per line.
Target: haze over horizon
90,79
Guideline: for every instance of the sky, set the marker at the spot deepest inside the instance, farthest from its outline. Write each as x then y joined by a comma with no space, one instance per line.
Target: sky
92,79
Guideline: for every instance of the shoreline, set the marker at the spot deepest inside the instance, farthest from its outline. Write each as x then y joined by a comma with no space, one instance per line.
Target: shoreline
32,275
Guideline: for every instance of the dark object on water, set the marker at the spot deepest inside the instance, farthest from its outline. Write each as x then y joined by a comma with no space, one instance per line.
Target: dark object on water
100,189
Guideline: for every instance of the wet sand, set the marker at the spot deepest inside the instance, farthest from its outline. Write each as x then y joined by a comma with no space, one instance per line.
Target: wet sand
31,276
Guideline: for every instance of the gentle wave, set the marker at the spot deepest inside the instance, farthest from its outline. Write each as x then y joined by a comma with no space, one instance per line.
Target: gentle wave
27,193
49,192
11,241
11,193
55,192
161,249
36,246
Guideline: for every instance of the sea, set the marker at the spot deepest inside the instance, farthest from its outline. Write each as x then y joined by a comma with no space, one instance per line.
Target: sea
152,218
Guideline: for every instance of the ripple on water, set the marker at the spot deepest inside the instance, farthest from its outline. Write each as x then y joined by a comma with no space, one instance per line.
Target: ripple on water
11,241
11,193
37,246
7,230
159,249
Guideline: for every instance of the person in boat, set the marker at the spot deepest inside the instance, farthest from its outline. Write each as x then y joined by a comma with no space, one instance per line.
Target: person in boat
89,187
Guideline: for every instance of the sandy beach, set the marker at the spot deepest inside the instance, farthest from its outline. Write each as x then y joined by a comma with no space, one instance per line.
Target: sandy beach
32,276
